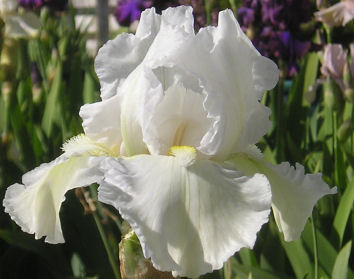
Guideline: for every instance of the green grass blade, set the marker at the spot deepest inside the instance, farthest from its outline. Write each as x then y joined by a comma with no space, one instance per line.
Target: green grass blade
340,269
298,257
244,271
344,208
51,108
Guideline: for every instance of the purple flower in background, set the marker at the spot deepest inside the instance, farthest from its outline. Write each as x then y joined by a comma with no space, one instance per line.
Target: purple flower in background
291,49
128,11
246,15
30,4
274,27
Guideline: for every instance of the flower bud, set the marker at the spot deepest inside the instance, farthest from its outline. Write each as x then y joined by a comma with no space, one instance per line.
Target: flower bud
345,130
332,95
132,261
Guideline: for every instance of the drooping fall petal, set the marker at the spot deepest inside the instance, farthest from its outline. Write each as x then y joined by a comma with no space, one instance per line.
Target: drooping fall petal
190,215
35,204
294,193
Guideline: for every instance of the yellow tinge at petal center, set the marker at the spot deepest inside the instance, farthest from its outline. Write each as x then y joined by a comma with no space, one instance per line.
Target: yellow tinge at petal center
186,155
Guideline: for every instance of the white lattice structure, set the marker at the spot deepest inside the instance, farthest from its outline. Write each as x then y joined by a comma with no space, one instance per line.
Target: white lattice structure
87,16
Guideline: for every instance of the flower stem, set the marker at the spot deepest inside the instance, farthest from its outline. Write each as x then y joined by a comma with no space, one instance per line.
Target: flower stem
227,270
278,115
352,135
111,257
335,149
315,251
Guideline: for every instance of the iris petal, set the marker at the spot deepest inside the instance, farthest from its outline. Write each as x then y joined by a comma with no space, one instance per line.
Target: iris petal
101,122
231,74
35,204
190,217
294,193
119,57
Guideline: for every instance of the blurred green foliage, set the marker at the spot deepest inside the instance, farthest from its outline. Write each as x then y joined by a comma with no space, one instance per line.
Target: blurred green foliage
38,113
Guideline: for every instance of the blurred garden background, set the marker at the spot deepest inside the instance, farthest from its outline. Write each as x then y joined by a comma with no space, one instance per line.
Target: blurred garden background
47,73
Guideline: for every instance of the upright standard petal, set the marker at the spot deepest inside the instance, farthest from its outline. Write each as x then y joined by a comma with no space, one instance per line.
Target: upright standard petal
294,193
35,204
119,57
190,215
179,119
101,122
233,76
142,91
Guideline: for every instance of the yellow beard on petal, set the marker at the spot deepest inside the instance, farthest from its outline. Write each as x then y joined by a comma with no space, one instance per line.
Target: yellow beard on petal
82,144
186,155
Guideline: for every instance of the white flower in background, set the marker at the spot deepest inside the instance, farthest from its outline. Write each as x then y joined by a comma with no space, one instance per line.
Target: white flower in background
25,25
338,14
334,63
182,111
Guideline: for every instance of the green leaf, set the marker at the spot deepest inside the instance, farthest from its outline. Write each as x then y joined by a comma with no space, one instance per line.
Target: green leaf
90,88
3,118
340,269
298,257
24,95
326,252
22,140
311,67
77,266
247,257
244,271
51,107
344,208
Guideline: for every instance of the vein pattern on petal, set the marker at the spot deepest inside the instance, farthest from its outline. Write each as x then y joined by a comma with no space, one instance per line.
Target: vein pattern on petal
189,218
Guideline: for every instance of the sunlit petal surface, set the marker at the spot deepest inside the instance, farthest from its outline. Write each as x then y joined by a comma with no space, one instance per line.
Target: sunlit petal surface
101,122
35,204
119,57
190,215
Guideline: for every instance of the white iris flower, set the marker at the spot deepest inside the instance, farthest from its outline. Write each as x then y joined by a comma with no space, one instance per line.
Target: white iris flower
172,146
